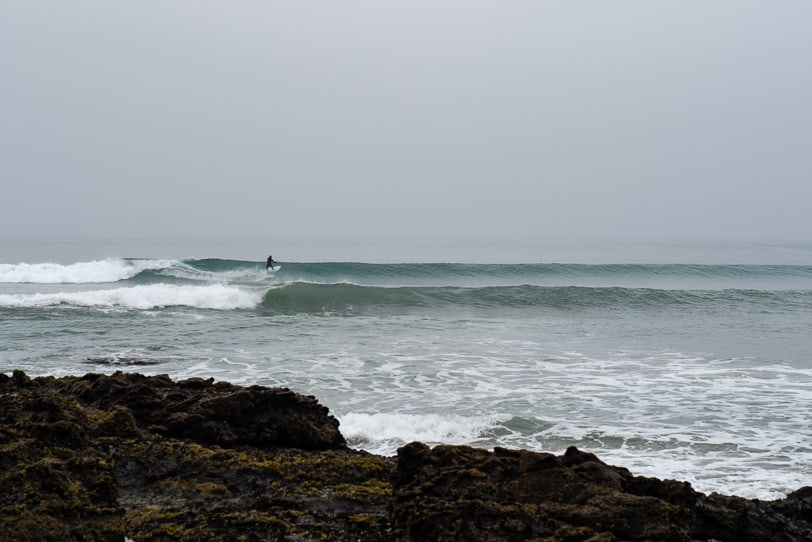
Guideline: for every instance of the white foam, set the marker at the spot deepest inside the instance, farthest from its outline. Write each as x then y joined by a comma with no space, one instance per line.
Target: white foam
213,296
734,426
384,433
182,270
96,271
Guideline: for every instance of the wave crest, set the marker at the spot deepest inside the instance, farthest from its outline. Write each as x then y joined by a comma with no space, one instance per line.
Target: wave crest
92,272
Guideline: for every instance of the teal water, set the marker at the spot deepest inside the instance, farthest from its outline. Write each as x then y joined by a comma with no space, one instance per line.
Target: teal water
698,370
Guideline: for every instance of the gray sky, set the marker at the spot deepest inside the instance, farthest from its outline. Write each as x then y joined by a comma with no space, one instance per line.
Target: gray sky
407,119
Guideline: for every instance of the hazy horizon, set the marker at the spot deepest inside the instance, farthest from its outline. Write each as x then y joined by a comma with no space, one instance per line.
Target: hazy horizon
68,250
470,120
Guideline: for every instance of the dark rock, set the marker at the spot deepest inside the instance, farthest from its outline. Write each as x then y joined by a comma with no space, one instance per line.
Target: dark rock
462,493
733,518
115,360
54,484
213,414
20,378
100,457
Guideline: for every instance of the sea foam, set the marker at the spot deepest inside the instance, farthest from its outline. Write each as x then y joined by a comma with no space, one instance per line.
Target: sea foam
213,296
383,433
96,271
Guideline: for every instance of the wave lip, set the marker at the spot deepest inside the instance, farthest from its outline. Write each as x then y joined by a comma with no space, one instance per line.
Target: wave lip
154,296
92,272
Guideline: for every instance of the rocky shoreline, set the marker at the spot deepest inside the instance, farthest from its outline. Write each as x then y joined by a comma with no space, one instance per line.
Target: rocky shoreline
109,457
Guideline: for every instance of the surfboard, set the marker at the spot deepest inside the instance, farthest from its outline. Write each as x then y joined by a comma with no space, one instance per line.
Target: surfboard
276,268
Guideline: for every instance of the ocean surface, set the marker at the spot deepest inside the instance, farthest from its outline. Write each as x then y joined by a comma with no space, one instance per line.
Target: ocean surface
693,363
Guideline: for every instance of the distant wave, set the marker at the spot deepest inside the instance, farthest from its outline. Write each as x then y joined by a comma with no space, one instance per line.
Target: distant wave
421,274
453,273
676,276
213,296
351,298
353,287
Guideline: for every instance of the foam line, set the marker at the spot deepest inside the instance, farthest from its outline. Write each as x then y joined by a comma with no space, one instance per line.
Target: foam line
214,296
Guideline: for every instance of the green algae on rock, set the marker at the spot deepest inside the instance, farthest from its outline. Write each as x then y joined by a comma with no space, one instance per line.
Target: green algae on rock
100,457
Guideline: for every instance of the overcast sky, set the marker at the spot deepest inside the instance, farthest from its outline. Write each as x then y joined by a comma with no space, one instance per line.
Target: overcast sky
407,119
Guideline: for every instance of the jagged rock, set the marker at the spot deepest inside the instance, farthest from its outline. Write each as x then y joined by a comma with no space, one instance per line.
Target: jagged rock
214,413
721,517
460,493
98,458
54,484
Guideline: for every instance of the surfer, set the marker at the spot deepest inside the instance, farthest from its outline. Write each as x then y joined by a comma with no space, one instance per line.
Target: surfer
270,263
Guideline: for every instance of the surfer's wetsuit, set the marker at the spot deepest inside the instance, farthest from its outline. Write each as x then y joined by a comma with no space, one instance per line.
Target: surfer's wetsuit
270,262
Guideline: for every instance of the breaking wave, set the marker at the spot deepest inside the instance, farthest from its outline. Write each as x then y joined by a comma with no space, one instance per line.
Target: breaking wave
213,296
97,271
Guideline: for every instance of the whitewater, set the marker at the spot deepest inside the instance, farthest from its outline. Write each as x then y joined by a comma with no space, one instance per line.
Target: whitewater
697,372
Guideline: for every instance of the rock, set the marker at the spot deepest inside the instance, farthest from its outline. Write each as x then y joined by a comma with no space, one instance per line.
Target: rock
461,493
178,490
54,484
733,518
116,360
212,413
98,458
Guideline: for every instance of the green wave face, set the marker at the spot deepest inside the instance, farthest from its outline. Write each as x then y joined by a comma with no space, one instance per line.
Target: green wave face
355,299
448,274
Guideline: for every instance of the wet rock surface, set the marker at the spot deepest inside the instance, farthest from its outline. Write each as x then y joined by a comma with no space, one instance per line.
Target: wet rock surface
103,457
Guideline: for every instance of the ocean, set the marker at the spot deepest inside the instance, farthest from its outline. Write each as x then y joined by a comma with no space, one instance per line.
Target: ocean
691,362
